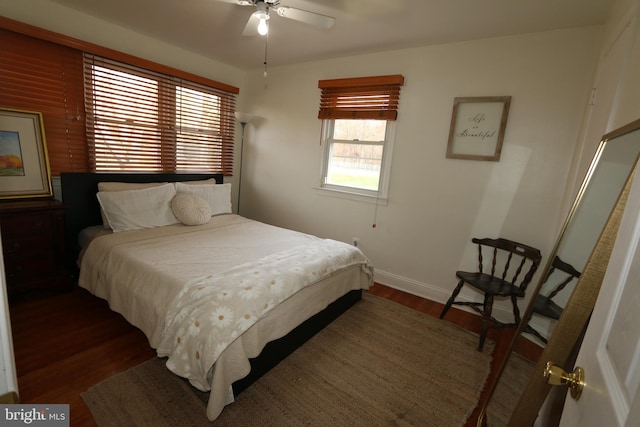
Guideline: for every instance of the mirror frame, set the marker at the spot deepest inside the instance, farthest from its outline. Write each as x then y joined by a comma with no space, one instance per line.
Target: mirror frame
574,320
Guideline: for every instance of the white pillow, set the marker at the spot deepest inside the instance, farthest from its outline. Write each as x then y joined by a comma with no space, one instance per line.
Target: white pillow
200,182
218,196
121,186
191,209
136,209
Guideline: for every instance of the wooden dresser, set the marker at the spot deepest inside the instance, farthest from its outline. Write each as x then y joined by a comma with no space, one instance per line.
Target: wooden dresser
33,245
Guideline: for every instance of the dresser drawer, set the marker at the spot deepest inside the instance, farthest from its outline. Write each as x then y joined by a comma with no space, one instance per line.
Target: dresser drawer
33,245
28,268
39,247
24,226
28,244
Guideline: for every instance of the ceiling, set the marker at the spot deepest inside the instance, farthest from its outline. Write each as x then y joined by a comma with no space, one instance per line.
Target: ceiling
214,27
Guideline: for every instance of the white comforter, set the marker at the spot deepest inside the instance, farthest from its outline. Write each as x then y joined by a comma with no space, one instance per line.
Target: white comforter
157,278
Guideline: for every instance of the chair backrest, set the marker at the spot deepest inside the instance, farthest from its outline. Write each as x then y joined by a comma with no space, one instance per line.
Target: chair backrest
513,261
569,273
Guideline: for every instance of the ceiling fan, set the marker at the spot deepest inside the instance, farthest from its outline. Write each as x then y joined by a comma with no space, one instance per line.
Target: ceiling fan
257,23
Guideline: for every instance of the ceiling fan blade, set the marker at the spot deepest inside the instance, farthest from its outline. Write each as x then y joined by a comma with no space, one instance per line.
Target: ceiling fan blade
322,21
238,2
251,28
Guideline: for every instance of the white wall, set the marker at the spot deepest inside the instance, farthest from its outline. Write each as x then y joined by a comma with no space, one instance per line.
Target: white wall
436,205
627,102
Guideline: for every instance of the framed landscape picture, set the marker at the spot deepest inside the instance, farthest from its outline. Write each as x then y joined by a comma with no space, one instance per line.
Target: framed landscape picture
477,128
24,164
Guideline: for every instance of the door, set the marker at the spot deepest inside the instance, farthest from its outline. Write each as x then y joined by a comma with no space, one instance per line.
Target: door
610,353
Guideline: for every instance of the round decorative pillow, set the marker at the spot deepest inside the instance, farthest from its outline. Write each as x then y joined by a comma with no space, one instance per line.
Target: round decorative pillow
191,209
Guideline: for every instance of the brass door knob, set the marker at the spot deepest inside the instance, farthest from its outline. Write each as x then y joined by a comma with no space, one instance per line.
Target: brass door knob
555,375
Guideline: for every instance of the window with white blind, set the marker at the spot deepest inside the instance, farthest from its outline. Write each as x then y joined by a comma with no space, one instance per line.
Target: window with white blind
140,120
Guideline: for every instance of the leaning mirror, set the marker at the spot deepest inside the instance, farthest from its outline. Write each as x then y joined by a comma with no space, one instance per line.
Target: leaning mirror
611,166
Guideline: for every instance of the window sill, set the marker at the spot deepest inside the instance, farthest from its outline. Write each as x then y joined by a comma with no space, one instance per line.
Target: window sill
344,194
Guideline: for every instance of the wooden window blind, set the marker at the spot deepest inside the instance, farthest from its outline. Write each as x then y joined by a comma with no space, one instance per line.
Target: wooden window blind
140,120
43,71
45,77
360,98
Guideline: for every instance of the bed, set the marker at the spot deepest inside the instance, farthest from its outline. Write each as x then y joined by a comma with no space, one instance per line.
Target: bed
224,298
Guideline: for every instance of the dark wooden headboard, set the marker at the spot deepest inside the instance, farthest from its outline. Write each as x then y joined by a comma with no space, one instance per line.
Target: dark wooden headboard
82,208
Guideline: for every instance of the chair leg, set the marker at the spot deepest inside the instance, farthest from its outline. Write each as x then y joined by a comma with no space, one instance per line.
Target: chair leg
516,310
486,319
452,298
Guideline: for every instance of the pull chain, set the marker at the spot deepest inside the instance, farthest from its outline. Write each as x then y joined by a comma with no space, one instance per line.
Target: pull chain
266,46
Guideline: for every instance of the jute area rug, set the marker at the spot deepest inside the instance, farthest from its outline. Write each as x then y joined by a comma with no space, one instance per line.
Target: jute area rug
378,364
510,387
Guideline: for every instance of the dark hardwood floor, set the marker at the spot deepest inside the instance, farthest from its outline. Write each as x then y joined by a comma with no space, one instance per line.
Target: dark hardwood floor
66,343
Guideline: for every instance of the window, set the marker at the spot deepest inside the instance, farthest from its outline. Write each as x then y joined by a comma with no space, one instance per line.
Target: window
357,134
354,154
139,120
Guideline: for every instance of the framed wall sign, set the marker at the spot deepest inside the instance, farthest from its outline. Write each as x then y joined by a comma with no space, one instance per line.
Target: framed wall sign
24,165
477,128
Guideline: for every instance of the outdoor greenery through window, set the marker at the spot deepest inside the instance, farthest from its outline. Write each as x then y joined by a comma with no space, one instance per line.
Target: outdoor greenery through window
356,150
138,120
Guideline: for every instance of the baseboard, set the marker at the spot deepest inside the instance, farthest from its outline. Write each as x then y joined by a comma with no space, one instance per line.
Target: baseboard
439,294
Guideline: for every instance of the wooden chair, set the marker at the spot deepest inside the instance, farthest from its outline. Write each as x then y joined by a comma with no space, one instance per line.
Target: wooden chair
544,304
508,271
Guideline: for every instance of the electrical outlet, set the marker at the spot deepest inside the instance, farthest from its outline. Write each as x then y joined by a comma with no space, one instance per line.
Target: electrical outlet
355,241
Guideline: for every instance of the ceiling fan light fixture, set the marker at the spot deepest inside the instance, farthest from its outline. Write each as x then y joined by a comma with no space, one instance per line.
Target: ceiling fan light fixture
263,15
263,27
